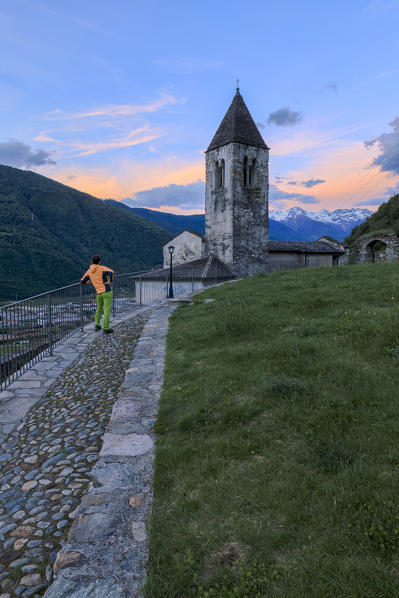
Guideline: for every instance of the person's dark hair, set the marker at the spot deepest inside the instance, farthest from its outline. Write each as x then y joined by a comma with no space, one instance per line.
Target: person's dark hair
96,259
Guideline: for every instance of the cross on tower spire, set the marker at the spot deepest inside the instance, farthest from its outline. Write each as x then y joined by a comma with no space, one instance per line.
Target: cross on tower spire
237,88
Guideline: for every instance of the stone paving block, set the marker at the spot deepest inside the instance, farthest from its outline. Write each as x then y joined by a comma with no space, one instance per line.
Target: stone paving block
100,588
139,531
126,427
66,362
125,410
27,383
15,410
28,393
126,394
93,527
55,372
45,365
126,445
29,375
113,475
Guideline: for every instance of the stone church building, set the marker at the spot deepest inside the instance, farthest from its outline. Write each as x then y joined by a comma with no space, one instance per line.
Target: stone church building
237,207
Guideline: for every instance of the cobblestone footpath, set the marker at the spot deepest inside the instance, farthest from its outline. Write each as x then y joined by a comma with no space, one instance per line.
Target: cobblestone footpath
46,462
107,549
21,395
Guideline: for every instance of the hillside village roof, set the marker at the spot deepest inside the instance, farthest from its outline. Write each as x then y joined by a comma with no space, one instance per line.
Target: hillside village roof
237,126
186,230
303,247
331,241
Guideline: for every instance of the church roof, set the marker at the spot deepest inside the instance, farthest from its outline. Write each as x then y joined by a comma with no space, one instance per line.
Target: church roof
303,247
237,125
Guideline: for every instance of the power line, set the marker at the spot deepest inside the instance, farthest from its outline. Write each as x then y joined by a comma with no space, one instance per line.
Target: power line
377,174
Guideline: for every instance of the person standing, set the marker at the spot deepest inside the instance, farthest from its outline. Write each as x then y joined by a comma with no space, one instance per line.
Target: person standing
101,278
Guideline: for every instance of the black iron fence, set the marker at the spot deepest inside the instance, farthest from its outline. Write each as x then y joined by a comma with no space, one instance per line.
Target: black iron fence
31,328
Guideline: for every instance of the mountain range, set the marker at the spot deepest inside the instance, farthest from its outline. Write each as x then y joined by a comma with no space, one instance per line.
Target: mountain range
295,224
49,231
309,226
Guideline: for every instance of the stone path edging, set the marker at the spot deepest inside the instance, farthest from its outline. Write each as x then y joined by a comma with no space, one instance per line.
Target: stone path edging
23,393
107,547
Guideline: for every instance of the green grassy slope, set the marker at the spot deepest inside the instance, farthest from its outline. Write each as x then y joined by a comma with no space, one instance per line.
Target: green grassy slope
276,471
386,218
48,233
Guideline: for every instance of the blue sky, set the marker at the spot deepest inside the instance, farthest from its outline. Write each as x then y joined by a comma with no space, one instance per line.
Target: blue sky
121,99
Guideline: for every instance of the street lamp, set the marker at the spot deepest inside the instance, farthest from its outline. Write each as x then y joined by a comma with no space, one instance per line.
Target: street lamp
170,293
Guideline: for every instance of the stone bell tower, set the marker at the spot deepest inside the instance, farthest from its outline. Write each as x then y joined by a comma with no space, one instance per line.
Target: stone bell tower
237,192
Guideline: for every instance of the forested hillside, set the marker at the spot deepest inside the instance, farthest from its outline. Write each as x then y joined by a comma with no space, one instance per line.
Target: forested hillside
174,223
48,233
386,218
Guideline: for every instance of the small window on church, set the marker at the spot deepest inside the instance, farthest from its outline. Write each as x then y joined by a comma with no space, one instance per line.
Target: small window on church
219,174
251,174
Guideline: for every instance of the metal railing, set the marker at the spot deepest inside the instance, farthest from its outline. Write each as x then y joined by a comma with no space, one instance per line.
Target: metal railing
31,328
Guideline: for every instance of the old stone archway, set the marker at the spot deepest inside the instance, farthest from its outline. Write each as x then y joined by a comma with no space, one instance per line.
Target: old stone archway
376,248
376,252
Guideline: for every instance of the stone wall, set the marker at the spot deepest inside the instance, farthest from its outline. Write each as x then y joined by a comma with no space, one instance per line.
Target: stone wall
188,246
219,206
364,253
236,220
289,260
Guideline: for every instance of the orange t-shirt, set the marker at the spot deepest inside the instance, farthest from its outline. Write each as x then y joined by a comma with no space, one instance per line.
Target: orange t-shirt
100,277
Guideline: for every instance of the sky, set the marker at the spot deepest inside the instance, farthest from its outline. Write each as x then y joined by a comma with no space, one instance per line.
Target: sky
121,99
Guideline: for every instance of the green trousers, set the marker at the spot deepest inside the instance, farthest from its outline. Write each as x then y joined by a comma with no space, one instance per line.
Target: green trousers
103,299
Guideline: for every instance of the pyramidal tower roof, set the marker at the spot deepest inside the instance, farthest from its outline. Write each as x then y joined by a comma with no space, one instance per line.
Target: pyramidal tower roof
237,125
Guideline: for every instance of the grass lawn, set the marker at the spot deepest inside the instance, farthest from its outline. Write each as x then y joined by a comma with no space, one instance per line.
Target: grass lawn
277,460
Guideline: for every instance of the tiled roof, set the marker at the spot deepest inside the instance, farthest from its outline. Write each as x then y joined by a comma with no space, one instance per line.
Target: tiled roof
302,247
237,125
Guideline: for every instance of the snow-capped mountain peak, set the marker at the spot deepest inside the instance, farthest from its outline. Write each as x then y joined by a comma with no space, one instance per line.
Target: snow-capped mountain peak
282,215
340,217
313,225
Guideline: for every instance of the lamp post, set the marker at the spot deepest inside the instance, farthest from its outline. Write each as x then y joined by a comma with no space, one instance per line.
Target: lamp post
170,292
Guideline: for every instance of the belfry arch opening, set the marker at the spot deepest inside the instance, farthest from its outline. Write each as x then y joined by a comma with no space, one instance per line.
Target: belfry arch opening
249,172
219,175
376,251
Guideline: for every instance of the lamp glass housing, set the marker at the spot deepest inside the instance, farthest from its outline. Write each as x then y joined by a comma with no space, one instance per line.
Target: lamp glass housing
171,249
